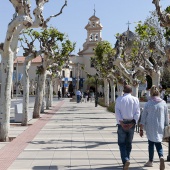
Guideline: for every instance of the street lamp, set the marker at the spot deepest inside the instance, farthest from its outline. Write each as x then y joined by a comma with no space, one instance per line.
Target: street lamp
79,67
78,74
96,92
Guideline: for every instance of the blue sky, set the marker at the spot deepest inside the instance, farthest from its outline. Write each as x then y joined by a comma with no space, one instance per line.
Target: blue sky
113,14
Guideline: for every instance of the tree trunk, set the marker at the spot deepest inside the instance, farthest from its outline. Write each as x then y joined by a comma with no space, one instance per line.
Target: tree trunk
120,89
48,94
25,93
12,90
106,92
6,82
156,78
43,100
135,90
39,96
43,103
51,93
112,91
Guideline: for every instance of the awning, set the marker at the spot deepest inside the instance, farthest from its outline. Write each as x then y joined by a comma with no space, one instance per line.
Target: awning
68,79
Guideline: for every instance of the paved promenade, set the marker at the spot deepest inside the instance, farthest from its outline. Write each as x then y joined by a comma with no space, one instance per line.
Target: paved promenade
72,136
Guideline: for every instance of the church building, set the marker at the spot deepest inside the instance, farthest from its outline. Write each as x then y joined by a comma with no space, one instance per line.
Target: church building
75,73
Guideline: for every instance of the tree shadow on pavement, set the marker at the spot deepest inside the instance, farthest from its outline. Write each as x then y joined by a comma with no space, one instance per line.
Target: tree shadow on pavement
50,167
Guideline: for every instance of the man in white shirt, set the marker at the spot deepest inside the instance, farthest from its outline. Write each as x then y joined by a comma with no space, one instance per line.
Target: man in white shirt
78,94
127,112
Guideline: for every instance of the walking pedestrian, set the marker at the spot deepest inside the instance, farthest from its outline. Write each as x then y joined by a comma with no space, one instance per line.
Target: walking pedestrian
59,94
78,94
85,97
154,119
127,115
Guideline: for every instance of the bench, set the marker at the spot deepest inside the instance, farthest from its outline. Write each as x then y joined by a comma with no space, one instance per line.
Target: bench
18,113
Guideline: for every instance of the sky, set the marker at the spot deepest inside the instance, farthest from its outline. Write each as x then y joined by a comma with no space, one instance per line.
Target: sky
114,16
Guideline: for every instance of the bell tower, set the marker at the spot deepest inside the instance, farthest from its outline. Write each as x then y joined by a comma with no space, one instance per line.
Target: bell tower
93,28
94,34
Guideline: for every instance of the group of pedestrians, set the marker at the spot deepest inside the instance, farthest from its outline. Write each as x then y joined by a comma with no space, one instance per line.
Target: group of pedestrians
153,120
84,96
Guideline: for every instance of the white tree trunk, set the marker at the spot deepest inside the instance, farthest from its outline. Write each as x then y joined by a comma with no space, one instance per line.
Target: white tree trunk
43,100
112,91
26,87
156,78
106,92
135,90
39,96
51,93
8,53
120,89
6,82
12,90
48,94
25,92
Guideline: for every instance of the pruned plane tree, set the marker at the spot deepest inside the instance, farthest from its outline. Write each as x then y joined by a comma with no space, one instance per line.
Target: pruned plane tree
22,18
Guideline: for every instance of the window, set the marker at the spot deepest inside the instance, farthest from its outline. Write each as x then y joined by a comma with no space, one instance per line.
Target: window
91,37
96,37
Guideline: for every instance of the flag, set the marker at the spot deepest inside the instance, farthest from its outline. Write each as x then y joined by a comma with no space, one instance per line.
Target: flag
20,75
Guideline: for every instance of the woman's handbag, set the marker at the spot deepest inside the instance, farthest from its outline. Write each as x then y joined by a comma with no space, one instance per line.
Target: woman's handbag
166,133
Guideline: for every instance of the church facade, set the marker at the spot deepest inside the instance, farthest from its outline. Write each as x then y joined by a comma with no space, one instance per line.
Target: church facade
94,35
75,76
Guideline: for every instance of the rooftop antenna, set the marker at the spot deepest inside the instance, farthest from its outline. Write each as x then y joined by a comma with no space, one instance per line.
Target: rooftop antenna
94,10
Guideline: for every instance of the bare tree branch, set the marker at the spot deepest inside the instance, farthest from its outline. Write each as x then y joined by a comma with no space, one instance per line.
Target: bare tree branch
61,10
164,18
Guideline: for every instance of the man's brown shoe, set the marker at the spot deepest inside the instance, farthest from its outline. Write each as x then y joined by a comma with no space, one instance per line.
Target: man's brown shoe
162,163
126,165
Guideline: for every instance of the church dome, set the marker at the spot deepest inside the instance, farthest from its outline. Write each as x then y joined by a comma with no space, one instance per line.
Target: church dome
130,35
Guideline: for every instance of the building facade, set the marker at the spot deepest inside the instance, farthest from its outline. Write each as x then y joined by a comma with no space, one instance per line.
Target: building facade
78,76
72,77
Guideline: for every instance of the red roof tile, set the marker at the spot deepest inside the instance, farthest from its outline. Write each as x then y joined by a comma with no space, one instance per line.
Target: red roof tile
21,59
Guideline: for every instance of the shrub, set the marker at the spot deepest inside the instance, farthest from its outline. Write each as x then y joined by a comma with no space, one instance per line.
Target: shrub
111,107
101,102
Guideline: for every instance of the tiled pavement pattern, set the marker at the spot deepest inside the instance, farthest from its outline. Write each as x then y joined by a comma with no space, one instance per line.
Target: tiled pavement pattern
76,137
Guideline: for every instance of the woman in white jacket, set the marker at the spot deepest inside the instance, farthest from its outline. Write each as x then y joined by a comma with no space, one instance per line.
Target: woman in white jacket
154,119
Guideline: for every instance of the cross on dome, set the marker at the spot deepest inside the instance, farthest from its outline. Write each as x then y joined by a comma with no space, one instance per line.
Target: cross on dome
128,24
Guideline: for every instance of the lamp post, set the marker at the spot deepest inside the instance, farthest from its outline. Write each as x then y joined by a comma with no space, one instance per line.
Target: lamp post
96,93
59,81
78,74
